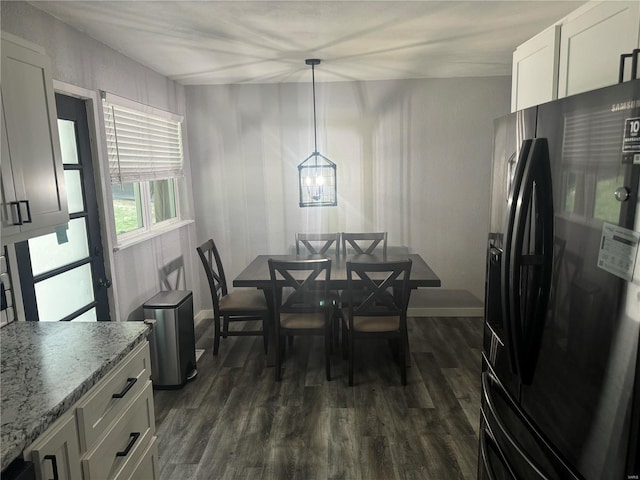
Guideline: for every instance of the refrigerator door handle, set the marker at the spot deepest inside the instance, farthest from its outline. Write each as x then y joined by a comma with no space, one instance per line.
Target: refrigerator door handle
487,380
506,289
530,259
484,438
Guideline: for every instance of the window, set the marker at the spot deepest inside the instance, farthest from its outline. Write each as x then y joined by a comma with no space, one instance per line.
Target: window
145,162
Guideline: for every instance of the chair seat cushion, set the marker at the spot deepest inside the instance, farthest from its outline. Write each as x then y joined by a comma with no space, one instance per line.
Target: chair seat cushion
373,324
302,320
243,300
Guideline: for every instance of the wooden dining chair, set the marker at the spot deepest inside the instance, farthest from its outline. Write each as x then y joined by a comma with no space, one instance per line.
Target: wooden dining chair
300,290
382,311
364,243
323,244
370,243
318,243
235,306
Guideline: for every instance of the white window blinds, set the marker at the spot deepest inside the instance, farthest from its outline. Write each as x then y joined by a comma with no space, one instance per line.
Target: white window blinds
143,143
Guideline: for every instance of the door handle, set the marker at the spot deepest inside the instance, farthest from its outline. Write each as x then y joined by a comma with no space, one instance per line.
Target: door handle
528,300
54,466
132,440
104,282
18,212
26,203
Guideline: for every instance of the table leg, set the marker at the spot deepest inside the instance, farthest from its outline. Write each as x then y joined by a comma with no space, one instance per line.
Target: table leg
271,349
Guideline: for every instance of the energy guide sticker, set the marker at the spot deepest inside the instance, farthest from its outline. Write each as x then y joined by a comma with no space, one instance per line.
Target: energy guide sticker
631,141
618,250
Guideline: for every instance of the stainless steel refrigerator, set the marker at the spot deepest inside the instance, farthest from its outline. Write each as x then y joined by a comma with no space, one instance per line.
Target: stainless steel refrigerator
560,369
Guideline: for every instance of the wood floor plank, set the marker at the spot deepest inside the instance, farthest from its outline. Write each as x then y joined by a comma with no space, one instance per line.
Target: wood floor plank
234,421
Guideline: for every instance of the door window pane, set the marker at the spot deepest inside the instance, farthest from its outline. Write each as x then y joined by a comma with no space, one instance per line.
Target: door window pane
47,254
74,191
68,145
88,316
127,208
163,200
59,296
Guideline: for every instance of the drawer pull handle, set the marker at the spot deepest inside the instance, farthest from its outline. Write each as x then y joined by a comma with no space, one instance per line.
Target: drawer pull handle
18,213
133,437
127,387
54,465
28,220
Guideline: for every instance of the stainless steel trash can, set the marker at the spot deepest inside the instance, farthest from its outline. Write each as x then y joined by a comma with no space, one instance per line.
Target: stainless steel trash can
172,339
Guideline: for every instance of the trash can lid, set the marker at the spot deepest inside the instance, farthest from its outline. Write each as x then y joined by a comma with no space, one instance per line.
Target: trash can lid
168,299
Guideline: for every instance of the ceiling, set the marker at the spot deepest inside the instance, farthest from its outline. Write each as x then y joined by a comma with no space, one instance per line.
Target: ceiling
214,42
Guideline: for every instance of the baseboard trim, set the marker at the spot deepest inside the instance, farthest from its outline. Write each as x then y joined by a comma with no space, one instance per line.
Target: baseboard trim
201,315
439,302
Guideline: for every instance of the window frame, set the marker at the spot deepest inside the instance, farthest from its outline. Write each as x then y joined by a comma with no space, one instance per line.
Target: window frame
149,228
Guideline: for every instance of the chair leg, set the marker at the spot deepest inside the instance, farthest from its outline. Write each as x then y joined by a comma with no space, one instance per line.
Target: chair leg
403,364
265,334
328,340
335,329
345,340
278,358
216,335
404,356
225,327
351,359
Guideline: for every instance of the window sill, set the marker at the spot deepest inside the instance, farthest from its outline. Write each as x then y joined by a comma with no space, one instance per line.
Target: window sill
156,232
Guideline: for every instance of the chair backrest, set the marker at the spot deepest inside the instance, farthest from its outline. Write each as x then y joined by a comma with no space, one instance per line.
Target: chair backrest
385,286
318,243
305,284
212,264
364,243
172,275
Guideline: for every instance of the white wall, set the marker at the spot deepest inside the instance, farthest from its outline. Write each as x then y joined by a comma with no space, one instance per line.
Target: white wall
413,158
83,62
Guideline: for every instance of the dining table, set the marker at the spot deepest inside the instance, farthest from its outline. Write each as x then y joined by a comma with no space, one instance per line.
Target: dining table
256,275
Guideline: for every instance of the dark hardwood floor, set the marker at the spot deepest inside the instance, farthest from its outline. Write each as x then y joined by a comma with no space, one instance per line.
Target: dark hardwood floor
233,421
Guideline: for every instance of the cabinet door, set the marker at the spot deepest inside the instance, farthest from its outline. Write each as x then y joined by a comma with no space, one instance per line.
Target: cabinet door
535,70
593,38
57,453
32,138
9,213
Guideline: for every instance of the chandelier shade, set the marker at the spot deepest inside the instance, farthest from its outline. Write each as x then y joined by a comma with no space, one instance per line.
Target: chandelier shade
316,173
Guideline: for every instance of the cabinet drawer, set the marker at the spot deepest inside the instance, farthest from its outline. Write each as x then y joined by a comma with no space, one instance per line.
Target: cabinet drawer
100,408
126,441
146,468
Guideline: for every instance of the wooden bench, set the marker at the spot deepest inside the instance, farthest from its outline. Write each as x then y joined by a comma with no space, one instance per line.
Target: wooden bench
440,302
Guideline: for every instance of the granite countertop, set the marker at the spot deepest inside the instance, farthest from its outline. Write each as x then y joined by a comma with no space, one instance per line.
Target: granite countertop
47,366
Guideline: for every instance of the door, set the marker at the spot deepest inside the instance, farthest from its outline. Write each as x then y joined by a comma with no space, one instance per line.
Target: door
62,274
579,393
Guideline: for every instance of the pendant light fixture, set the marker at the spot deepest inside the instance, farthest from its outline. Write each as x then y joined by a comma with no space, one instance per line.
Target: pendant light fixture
316,173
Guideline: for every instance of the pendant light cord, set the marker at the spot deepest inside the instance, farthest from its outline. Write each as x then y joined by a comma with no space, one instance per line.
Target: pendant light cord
315,133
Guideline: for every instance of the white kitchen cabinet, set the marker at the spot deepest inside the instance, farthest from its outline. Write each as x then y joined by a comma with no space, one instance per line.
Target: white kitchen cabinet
33,193
593,38
56,453
109,434
535,70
